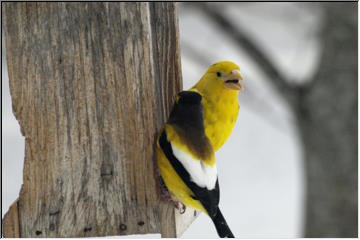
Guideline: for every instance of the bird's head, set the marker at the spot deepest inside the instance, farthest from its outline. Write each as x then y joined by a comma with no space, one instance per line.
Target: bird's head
223,75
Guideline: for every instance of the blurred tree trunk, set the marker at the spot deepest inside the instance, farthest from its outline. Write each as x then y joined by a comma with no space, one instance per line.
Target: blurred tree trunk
327,117
91,84
326,111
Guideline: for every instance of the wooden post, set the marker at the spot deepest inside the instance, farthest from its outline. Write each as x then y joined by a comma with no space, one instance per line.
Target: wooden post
91,83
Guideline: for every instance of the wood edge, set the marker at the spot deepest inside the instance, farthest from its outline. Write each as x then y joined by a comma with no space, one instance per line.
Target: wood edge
11,227
173,223
167,220
184,220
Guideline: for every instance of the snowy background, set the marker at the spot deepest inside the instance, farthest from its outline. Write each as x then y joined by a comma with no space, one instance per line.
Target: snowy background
260,167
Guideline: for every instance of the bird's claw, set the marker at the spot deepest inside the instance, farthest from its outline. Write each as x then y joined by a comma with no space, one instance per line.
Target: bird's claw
181,207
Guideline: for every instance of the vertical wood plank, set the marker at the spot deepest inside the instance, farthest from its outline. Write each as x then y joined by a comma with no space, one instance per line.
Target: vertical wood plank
11,221
167,72
91,83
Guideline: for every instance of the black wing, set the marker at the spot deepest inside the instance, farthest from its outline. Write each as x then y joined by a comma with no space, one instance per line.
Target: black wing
208,198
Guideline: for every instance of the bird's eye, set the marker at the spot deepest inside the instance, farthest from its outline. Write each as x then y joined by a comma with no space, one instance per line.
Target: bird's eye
218,74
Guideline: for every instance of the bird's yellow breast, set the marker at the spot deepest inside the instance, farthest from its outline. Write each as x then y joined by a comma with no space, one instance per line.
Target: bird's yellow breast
220,114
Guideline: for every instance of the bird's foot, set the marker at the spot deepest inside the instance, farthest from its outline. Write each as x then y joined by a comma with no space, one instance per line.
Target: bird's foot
166,197
180,206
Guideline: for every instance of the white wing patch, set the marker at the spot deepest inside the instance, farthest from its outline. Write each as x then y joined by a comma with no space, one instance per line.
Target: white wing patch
200,173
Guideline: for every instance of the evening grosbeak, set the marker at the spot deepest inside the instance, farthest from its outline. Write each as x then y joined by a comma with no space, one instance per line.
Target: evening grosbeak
219,88
186,160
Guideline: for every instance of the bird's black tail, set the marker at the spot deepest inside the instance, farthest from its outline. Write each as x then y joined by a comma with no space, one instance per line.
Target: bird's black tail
221,226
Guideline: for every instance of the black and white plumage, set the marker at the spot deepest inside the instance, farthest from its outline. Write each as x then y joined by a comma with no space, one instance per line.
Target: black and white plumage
186,160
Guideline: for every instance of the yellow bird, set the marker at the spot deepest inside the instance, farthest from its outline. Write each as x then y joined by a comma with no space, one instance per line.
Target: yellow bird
186,159
219,88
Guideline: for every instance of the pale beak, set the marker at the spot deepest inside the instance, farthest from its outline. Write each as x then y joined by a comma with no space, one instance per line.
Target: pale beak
233,80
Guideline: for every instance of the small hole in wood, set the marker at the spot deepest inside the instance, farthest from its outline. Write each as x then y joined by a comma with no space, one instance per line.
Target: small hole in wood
141,223
38,232
87,229
123,227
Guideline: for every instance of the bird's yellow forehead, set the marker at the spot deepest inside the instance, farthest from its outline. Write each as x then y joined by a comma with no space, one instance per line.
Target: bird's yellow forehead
224,66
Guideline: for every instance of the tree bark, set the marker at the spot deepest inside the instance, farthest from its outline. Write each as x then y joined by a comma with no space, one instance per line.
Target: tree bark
91,83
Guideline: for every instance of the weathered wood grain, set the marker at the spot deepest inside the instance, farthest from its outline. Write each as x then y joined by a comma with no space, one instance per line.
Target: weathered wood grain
167,67
11,220
91,83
